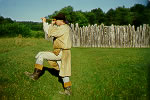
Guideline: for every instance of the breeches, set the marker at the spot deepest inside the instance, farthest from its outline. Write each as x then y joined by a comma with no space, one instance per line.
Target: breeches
41,56
50,56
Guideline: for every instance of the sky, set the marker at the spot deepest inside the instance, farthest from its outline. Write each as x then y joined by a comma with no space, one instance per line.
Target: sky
33,10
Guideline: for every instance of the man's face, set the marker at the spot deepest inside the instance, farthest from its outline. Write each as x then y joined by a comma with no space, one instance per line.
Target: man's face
59,22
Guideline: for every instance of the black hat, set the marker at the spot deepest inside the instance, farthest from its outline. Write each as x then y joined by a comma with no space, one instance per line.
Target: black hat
60,16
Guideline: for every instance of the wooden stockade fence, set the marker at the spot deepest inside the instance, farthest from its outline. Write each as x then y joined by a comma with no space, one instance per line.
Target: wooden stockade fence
110,36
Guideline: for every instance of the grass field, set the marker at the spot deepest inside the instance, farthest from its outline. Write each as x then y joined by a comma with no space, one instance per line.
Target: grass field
97,73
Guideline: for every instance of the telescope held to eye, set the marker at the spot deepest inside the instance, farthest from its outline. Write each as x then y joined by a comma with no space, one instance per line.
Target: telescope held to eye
51,19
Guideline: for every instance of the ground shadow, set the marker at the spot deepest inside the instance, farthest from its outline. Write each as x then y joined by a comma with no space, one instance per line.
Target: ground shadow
53,72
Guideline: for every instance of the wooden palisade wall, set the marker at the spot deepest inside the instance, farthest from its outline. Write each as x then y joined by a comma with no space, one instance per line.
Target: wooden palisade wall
110,36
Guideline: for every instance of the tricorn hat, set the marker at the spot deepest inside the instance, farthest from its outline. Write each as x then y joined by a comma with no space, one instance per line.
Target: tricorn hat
60,16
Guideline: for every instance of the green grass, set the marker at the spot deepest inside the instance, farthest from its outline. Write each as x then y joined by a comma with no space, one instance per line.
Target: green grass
97,73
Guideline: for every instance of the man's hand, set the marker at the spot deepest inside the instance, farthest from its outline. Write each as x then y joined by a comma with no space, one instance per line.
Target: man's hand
53,22
43,19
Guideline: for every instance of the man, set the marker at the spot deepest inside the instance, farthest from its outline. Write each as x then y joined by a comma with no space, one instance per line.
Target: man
60,58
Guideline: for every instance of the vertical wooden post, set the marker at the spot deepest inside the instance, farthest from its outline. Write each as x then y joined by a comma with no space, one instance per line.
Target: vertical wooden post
110,36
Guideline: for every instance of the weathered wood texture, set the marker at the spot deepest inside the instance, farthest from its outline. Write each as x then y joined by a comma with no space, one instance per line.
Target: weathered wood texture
110,36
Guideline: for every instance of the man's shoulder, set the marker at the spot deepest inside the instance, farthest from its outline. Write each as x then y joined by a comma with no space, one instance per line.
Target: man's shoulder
65,26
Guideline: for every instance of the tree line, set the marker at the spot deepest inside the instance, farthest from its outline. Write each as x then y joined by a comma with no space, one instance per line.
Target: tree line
136,15
10,28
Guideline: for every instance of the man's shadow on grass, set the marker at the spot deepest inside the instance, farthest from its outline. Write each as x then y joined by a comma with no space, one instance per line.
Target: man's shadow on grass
53,72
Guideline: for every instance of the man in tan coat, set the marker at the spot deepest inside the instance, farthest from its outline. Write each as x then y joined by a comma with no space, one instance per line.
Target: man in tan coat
60,58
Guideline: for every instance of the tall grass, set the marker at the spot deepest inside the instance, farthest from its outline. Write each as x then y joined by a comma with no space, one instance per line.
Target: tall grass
97,73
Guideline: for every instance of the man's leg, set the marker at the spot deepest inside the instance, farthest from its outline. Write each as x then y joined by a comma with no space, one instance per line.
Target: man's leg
67,86
66,82
39,63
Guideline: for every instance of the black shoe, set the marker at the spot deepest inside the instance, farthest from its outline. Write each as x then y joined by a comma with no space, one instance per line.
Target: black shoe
35,75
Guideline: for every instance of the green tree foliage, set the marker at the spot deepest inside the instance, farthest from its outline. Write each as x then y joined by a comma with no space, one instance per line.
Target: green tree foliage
123,16
100,16
110,17
35,26
72,16
138,12
68,12
81,19
120,16
90,17
9,28
141,14
148,4
5,20
14,29
136,15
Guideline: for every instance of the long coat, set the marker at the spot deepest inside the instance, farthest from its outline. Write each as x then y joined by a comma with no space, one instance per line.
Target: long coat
62,41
